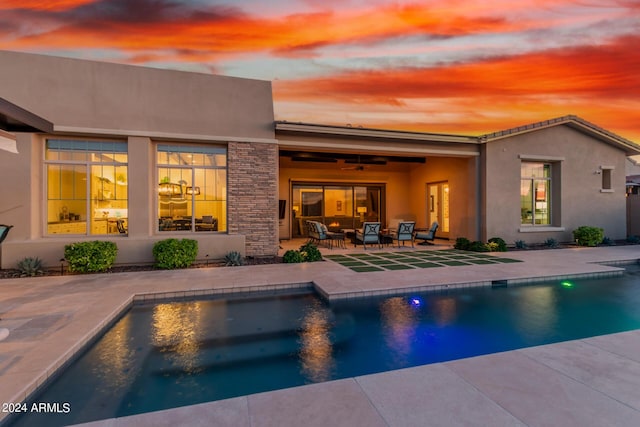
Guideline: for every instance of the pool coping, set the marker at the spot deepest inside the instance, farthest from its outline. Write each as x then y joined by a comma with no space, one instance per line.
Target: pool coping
35,385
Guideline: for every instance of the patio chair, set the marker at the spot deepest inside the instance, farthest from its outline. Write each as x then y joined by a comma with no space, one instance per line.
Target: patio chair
370,233
404,232
4,230
317,232
427,236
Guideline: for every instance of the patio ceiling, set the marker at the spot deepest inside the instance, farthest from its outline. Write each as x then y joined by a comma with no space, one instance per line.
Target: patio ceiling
346,161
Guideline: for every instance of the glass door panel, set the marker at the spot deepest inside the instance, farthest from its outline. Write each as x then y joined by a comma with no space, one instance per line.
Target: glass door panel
438,206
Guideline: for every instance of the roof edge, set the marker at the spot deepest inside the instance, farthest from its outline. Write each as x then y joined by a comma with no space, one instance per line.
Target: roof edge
20,120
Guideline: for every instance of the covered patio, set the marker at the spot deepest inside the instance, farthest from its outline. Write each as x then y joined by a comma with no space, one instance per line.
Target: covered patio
344,176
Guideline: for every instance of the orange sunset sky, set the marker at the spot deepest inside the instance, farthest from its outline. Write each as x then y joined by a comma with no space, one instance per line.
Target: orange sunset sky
456,66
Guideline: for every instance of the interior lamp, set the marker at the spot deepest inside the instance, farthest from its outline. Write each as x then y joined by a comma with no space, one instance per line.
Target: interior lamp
361,210
193,190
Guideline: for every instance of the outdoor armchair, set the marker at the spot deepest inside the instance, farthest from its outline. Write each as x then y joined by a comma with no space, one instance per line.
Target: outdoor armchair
404,232
427,236
370,233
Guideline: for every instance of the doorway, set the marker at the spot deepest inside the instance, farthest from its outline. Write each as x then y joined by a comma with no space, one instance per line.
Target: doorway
438,206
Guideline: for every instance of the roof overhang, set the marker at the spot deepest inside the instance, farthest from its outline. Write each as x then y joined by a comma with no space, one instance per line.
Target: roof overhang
369,133
16,119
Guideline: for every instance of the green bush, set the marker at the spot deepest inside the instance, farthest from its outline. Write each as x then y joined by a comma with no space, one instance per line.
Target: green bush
292,256
497,244
310,252
588,236
478,246
90,257
175,253
30,267
633,239
462,243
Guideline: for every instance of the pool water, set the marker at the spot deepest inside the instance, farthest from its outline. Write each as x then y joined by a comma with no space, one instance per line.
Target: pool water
175,354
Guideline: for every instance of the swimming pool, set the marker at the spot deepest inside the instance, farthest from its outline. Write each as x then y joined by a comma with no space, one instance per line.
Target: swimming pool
168,355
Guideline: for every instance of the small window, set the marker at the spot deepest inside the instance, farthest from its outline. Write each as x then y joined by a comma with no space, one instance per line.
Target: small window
606,173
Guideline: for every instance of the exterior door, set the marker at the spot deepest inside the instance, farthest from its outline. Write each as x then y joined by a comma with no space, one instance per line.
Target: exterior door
438,207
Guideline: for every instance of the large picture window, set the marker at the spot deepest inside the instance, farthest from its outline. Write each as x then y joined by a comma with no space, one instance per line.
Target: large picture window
192,188
535,193
86,186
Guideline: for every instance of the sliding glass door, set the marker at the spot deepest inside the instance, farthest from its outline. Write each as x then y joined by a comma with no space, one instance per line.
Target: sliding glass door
338,206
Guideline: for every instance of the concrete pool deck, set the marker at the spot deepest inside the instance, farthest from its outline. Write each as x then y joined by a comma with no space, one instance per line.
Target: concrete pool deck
593,381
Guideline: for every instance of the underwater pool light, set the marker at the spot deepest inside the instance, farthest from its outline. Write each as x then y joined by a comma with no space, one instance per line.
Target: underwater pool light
416,302
567,284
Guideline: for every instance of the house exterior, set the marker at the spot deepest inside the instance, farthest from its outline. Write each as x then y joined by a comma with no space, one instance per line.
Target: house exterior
154,153
136,155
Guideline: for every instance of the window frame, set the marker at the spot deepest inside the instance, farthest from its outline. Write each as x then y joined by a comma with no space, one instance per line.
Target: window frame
176,151
88,166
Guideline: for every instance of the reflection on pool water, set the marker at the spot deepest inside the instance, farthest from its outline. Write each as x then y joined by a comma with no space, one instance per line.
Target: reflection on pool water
175,354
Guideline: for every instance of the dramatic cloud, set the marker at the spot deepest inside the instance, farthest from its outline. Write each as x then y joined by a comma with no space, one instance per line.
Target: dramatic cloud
461,65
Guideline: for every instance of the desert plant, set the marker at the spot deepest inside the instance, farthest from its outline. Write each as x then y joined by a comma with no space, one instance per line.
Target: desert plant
310,252
30,267
633,239
175,253
497,244
462,243
521,244
233,259
292,256
551,243
588,236
608,241
90,257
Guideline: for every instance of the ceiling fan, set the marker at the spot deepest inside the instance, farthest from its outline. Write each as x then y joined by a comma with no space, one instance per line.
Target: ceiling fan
357,165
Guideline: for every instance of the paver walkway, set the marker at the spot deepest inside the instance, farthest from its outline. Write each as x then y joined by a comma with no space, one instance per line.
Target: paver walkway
590,382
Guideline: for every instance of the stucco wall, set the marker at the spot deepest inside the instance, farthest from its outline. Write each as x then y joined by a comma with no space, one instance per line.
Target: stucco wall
460,173
97,95
577,158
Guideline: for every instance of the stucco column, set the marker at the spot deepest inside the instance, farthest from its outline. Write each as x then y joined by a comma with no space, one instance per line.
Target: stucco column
141,216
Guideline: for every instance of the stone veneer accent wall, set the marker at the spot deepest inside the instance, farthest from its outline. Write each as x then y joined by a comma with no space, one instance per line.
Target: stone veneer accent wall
253,195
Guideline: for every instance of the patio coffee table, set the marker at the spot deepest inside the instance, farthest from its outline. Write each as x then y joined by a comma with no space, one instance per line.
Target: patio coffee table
336,237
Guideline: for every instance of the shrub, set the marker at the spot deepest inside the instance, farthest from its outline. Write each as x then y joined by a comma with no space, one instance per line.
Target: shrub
462,243
521,244
497,244
30,267
588,236
90,257
233,259
478,246
310,252
175,253
292,256
551,243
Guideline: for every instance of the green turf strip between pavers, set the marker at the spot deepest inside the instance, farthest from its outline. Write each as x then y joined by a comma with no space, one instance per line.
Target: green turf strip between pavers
427,265
398,267
353,263
366,269
454,263
505,260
